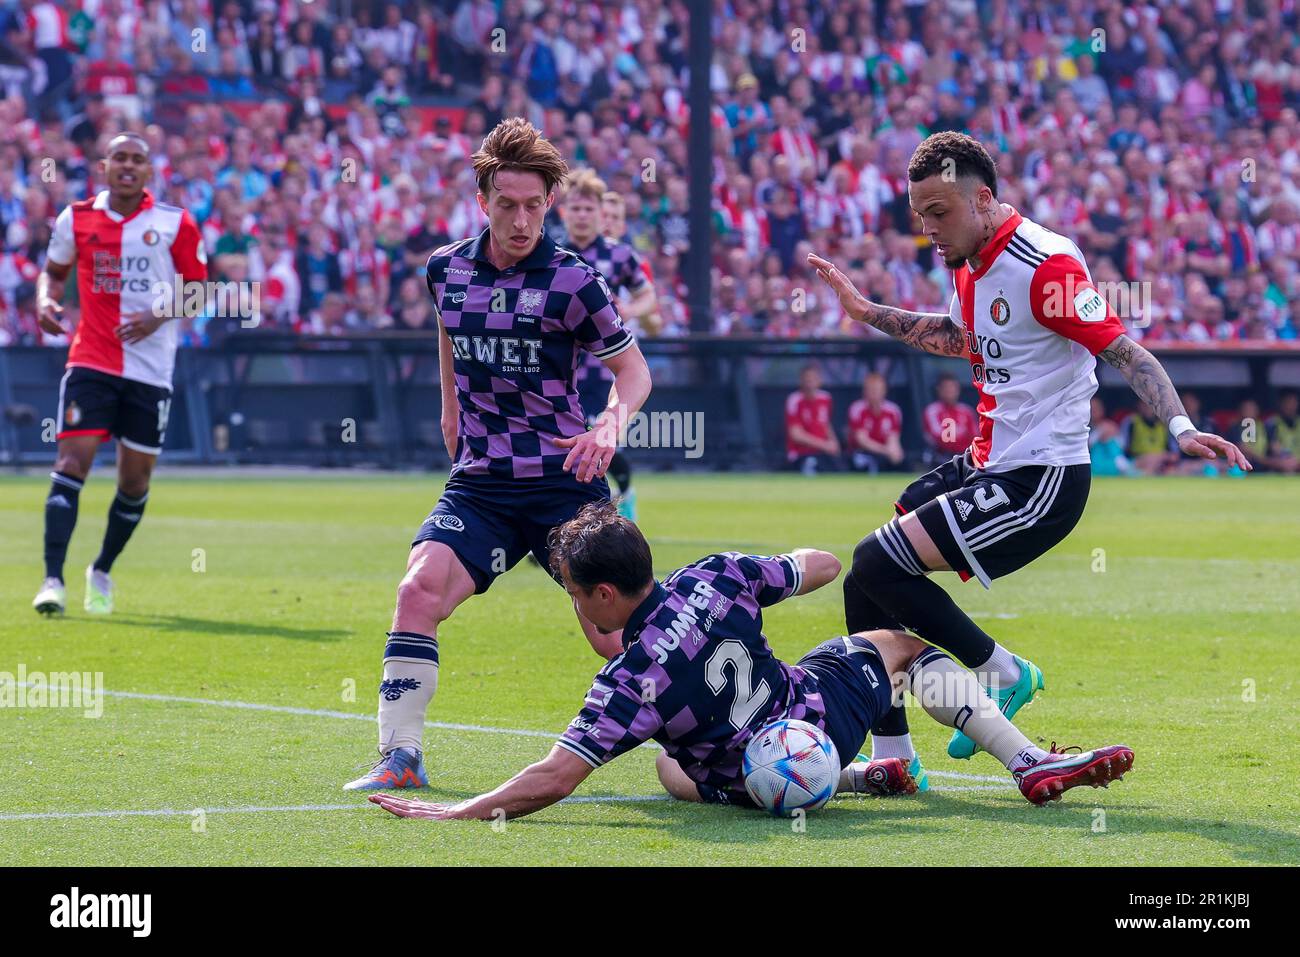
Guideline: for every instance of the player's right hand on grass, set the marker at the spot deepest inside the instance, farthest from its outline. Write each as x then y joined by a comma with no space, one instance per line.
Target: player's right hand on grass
854,303
48,314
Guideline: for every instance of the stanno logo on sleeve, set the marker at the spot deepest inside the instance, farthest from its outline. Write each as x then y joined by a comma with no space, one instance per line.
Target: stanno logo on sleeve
1000,311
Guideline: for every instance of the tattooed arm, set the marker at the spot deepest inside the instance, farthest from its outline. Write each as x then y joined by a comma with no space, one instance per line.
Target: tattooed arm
1151,383
928,331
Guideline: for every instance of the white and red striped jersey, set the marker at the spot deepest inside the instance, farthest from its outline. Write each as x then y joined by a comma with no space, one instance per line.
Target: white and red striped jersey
124,265
1033,321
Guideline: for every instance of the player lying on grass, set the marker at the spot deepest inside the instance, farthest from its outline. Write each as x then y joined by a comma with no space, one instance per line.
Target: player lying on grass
697,676
1028,317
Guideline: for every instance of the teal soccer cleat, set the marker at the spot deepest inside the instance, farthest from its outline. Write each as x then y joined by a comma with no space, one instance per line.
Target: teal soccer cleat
1010,700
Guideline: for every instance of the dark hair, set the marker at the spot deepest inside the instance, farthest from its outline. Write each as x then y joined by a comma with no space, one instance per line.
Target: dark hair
956,152
599,545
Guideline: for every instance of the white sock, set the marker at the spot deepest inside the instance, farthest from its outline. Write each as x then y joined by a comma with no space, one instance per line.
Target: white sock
1026,758
950,694
1000,670
892,746
410,679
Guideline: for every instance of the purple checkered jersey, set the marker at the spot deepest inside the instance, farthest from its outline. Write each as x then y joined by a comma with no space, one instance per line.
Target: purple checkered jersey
619,263
517,336
696,673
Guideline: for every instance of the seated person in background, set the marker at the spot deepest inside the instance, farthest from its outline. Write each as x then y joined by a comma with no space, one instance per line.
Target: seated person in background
1251,435
1190,464
810,442
949,424
1147,442
1284,435
1107,449
875,425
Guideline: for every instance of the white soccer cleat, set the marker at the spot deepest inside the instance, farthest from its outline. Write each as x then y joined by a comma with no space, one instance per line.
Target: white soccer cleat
52,599
99,592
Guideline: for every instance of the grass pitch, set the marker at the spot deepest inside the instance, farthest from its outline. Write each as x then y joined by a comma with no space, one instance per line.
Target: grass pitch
1166,621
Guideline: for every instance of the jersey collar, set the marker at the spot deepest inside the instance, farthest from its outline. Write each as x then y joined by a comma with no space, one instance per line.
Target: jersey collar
101,204
636,621
997,243
539,258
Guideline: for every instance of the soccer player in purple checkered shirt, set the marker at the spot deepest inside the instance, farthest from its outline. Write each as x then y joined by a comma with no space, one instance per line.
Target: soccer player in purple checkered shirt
697,676
516,315
580,209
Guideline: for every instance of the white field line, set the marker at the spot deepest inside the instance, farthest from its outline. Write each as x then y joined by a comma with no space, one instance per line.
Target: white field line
351,716
439,725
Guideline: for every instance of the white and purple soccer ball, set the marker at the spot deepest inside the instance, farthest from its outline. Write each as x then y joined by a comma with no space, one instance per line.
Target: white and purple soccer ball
791,766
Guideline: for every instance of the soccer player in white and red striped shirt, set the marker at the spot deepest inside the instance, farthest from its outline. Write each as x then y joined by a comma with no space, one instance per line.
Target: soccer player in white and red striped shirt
131,253
1028,317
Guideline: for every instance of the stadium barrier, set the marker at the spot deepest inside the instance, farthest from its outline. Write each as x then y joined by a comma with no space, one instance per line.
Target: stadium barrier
717,403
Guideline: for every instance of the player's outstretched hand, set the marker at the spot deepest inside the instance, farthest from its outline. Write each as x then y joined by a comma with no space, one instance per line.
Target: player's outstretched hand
1207,445
411,807
139,325
47,317
589,453
854,303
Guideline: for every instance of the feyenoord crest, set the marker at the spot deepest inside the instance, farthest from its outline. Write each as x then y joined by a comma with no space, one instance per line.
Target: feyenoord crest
150,237
529,299
1000,311
72,415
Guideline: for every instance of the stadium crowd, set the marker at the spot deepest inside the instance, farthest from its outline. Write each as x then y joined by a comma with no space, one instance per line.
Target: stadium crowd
1162,136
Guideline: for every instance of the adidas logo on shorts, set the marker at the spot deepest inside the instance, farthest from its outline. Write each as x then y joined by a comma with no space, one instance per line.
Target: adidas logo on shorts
963,508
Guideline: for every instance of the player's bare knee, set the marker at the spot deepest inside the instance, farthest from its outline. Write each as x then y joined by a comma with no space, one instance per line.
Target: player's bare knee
898,649
72,465
674,779
422,594
133,486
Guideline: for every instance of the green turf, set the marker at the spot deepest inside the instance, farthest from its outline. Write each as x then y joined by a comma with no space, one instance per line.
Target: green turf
1197,604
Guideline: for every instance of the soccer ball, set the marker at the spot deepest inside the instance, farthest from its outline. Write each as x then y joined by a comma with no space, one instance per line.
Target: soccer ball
791,766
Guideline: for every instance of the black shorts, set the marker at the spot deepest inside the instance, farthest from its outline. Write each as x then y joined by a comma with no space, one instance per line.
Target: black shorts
855,690
96,403
492,523
988,524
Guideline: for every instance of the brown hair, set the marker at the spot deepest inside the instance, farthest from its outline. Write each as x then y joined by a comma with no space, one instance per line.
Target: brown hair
585,183
515,144
599,545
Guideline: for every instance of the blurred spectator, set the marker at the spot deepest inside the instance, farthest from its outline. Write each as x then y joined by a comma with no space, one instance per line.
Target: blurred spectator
1147,442
875,428
1284,434
810,442
1107,447
949,424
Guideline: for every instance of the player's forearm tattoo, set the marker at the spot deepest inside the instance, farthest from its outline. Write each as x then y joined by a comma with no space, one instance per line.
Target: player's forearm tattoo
1145,375
928,331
